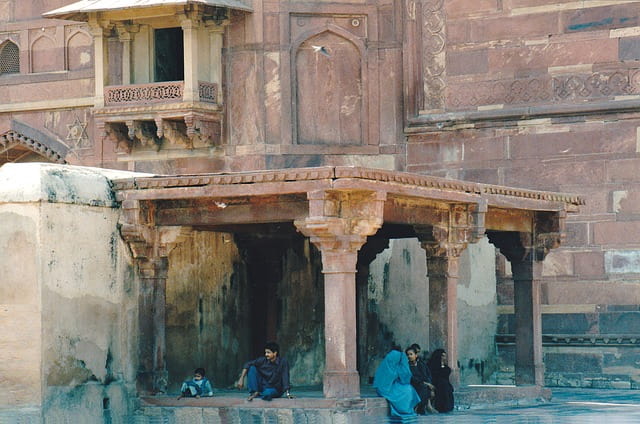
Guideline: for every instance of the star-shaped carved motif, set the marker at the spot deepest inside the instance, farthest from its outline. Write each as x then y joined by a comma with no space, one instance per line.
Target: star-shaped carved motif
78,134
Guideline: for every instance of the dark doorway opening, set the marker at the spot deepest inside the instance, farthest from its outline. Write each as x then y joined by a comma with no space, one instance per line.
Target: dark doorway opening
169,54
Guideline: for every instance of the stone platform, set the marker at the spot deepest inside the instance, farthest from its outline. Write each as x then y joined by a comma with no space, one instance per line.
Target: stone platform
310,406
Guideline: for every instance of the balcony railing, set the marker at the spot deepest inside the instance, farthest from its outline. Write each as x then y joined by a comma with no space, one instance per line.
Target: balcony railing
157,92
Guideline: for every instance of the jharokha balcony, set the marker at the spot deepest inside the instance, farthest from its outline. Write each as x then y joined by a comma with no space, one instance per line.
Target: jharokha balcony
159,115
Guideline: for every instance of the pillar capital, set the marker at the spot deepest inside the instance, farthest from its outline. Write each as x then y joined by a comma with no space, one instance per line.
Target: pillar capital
460,225
342,221
146,240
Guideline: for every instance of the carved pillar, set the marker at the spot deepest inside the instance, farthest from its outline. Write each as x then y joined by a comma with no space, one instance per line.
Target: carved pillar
526,251
190,28
444,243
529,365
100,59
150,247
216,32
125,35
338,224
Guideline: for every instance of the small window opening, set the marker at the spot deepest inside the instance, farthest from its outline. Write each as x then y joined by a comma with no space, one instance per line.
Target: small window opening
9,58
169,50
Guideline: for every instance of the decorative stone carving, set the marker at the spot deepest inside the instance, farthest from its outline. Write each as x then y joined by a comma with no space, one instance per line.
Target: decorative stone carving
547,89
463,224
144,133
143,93
14,138
433,55
116,133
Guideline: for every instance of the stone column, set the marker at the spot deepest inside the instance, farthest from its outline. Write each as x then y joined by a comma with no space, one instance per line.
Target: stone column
216,33
191,58
526,251
100,61
152,374
338,225
443,307
125,35
150,247
444,242
528,321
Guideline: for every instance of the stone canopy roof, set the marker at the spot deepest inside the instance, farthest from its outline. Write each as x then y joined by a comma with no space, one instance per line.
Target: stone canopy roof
287,195
78,11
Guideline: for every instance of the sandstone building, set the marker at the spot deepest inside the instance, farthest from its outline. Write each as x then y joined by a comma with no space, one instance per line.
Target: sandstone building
538,95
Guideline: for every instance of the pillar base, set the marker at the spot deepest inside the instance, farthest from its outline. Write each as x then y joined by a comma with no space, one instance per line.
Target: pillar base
530,375
341,385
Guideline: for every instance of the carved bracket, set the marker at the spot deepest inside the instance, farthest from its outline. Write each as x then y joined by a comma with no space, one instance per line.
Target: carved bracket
202,131
115,133
342,220
150,245
461,225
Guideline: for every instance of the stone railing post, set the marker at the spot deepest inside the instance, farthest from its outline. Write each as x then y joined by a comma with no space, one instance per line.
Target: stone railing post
338,224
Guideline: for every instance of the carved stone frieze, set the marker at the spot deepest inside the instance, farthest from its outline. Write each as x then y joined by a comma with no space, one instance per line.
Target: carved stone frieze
546,89
433,54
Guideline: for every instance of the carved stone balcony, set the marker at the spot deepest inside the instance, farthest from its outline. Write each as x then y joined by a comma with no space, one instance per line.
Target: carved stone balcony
156,116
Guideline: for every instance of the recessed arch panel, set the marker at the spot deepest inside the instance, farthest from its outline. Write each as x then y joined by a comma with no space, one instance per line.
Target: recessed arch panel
329,90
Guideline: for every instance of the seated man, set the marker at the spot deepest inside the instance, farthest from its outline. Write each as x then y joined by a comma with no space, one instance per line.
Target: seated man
196,387
268,375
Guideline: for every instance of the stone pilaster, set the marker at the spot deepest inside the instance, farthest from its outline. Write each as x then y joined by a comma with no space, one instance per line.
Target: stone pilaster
338,224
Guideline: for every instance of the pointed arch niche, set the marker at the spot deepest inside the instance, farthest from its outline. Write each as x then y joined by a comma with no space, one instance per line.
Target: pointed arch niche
79,51
329,88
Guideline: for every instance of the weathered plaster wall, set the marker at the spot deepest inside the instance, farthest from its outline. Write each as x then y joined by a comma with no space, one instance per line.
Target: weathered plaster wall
208,321
398,308
477,314
224,302
89,310
20,344
65,269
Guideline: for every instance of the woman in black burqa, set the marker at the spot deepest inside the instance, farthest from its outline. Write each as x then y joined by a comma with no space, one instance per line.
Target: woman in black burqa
440,373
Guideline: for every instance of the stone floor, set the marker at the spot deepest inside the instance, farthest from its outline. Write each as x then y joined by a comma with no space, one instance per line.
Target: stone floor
564,406
570,406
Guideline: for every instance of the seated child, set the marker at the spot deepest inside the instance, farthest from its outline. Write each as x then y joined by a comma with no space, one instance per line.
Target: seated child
196,387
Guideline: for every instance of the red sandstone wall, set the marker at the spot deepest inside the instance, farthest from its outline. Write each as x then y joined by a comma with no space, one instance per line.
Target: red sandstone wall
541,94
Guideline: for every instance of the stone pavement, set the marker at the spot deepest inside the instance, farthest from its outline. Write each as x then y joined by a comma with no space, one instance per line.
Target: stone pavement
567,406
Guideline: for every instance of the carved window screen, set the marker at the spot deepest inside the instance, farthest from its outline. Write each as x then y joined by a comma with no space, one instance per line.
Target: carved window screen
9,58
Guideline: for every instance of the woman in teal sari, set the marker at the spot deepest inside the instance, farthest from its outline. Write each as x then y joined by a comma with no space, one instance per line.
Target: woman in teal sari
393,382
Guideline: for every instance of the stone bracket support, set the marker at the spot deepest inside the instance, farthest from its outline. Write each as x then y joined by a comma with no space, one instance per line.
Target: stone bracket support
150,247
339,224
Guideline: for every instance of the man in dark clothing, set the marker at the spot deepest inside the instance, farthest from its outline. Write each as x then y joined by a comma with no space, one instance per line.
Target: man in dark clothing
268,375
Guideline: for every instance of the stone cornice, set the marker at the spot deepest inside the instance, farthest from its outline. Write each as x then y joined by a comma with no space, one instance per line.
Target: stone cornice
337,173
496,117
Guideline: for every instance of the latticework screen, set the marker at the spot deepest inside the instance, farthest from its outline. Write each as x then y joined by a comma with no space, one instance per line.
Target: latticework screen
9,58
